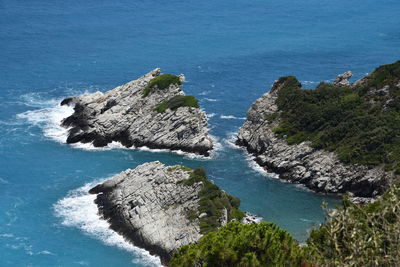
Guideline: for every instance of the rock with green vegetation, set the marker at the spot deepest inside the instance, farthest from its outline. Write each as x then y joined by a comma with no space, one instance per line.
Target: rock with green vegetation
161,208
336,138
161,82
216,207
245,245
177,102
152,111
361,235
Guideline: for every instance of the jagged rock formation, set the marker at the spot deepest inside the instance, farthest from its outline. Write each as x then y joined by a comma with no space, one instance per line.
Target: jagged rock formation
317,169
128,114
160,208
343,79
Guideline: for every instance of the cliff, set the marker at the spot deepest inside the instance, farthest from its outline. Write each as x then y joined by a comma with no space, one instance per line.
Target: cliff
162,208
151,111
336,138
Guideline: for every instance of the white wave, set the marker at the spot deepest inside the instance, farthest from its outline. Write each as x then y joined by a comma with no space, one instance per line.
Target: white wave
46,252
217,145
37,100
230,140
308,82
78,210
179,152
210,115
9,123
91,147
7,235
254,165
49,120
204,93
227,117
211,99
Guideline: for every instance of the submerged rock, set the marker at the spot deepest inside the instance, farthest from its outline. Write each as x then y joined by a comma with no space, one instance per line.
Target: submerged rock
161,208
319,170
151,111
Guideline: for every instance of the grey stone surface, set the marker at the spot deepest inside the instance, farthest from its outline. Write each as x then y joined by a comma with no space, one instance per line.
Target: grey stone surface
149,206
343,79
123,115
319,170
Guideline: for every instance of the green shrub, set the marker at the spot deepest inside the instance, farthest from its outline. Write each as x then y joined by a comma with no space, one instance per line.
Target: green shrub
250,245
361,126
212,202
161,82
361,235
352,235
271,117
178,167
176,102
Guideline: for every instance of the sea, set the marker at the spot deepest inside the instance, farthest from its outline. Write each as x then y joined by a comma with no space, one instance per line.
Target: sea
230,51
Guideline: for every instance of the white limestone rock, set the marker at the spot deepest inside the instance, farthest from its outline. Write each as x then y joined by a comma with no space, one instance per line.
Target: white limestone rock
124,115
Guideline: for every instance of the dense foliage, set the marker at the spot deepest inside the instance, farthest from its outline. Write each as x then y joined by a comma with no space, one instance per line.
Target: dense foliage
356,235
161,82
176,102
353,235
361,123
212,202
244,245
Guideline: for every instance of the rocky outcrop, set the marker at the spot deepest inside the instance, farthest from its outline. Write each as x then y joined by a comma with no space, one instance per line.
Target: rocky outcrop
343,79
156,206
319,170
127,115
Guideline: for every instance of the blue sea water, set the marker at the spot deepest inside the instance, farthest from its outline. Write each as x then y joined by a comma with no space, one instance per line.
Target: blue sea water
230,51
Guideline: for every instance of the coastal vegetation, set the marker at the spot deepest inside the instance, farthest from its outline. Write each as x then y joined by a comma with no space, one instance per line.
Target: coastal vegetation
245,245
213,202
177,102
361,123
361,235
161,82
352,235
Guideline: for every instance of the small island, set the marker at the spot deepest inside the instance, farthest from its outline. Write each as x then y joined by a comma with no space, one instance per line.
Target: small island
151,111
336,138
162,208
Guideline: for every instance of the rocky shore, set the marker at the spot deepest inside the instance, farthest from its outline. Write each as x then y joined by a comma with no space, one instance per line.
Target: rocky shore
151,111
318,170
161,208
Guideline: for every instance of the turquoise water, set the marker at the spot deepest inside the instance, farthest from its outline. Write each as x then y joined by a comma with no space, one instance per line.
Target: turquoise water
230,52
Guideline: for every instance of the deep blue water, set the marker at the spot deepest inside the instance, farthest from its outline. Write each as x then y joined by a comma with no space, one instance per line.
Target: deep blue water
230,51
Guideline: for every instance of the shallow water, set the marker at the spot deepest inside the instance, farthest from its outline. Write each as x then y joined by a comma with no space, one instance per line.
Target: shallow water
230,52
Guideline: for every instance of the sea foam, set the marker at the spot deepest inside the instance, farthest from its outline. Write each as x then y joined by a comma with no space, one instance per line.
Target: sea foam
231,117
78,210
250,159
49,119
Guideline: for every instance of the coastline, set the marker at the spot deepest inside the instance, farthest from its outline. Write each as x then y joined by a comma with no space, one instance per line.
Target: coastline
318,170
